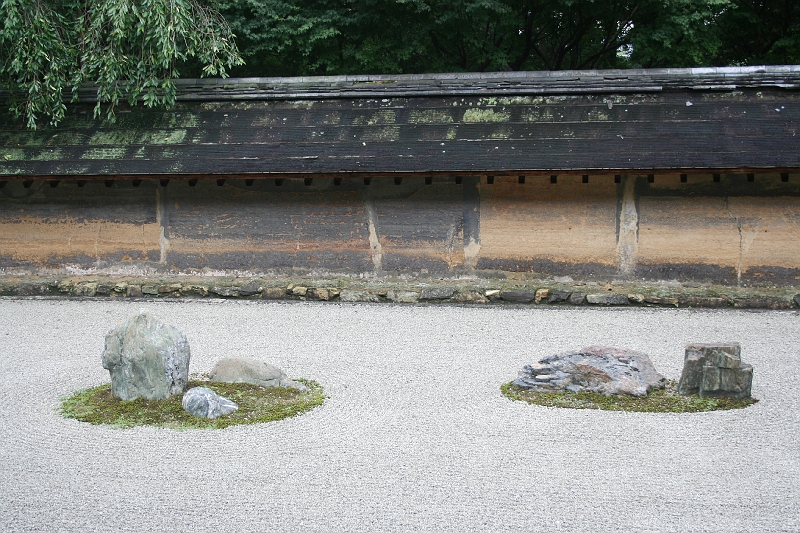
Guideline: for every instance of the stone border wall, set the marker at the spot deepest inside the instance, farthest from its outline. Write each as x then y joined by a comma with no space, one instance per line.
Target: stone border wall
430,291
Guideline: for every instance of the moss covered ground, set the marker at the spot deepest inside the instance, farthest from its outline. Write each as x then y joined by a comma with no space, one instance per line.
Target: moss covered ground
256,405
665,400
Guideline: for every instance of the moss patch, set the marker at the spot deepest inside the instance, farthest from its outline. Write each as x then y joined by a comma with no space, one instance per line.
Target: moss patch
665,400
256,405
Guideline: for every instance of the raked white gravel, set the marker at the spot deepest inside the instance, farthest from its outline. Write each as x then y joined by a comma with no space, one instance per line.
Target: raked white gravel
415,435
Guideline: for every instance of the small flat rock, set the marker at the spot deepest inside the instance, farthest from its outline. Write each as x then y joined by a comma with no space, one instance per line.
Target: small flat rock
601,369
348,295
134,291
274,293
762,303
558,296
577,298
470,298
661,300
151,290
226,292
702,301
403,296
205,403
437,293
251,288
253,371
104,289
519,297
318,294
86,289
610,298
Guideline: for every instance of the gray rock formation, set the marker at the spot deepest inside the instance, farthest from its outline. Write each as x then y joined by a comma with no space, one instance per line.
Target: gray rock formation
437,293
715,370
205,403
349,295
244,370
607,298
146,359
593,369
518,297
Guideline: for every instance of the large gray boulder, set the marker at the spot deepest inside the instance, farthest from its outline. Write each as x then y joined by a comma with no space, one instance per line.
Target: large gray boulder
245,370
205,403
593,369
715,370
146,359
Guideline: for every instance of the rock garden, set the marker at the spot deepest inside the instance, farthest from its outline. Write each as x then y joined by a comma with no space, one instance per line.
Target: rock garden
148,362
602,377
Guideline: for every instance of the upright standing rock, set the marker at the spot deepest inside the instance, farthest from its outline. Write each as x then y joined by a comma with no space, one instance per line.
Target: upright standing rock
715,370
146,359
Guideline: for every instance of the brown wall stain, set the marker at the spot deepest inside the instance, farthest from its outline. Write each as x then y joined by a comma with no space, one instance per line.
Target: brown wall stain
447,257
565,222
770,233
687,230
34,239
215,246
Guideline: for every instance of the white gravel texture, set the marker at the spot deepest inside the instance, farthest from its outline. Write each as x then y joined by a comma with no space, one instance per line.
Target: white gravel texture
414,436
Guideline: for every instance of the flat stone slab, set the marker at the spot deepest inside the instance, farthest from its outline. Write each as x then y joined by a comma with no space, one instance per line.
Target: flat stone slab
607,298
593,369
253,371
518,297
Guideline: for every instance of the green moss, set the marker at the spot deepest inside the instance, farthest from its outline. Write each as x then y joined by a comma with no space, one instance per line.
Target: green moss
485,115
665,400
104,153
13,154
598,115
502,132
265,120
516,100
163,137
538,115
48,154
257,405
384,116
113,137
430,116
387,133
332,118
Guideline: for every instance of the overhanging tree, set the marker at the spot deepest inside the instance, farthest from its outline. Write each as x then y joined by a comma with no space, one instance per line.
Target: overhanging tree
130,49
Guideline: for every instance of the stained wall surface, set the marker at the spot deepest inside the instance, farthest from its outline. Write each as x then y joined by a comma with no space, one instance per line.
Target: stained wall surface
736,229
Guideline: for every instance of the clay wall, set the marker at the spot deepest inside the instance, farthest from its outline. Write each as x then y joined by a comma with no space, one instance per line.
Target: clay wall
738,229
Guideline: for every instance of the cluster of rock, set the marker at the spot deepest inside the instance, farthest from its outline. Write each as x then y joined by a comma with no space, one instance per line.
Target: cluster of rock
600,369
715,370
565,292
709,370
149,359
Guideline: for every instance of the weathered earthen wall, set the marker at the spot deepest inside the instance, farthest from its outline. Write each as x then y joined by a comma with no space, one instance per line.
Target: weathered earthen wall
734,230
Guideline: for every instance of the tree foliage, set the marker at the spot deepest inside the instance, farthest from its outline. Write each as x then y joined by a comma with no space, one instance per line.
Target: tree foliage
134,49
130,49
293,37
